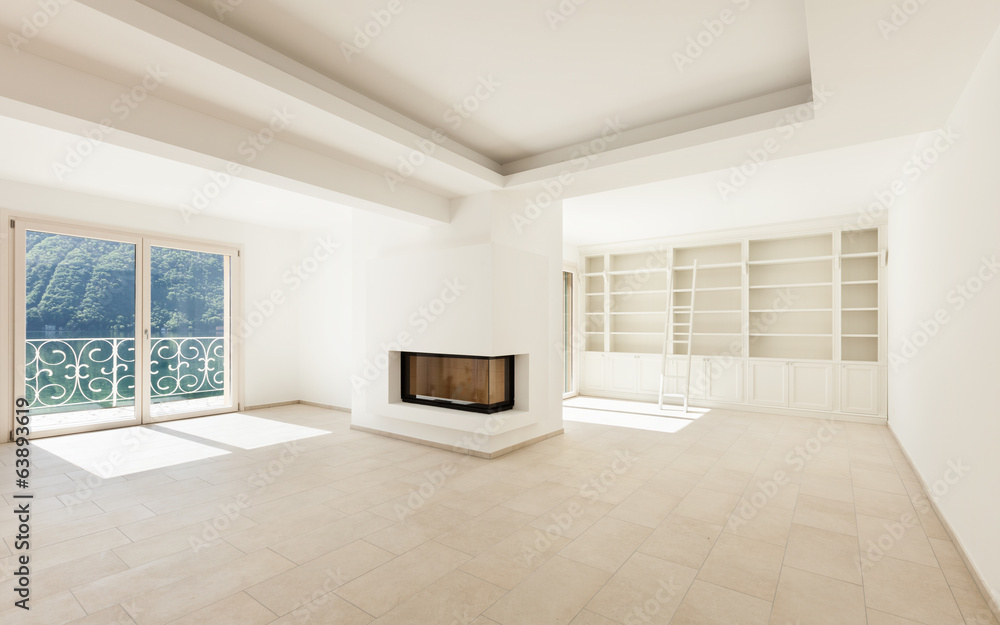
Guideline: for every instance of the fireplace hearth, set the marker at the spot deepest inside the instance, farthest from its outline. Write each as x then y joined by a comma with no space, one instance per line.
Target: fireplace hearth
483,384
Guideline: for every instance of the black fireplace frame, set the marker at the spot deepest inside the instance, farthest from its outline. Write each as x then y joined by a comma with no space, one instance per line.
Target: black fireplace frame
410,398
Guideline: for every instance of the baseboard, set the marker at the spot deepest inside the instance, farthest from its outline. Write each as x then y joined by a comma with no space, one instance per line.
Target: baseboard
984,588
458,450
713,405
295,402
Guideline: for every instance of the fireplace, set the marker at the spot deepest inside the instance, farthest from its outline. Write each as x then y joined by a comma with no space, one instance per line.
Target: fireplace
472,383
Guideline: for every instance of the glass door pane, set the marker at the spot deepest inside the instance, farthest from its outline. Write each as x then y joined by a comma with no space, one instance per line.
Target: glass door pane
190,363
76,320
567,332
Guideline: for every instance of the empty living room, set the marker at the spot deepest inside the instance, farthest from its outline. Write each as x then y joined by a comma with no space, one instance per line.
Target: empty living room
534,312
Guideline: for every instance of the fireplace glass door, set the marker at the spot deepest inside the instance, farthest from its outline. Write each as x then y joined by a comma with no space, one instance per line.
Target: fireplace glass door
471,383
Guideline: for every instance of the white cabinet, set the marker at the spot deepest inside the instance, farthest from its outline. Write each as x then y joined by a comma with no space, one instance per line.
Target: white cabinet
624,373
725,379
807,386
810,386
768,383
649,374
594,374
859,389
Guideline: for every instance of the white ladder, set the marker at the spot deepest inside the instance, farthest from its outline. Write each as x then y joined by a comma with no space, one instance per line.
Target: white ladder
670,329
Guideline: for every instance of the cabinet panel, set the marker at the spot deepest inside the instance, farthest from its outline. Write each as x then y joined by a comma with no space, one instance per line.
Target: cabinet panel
859,388
592,377
768,383
811,386
624,372
649,374
725,379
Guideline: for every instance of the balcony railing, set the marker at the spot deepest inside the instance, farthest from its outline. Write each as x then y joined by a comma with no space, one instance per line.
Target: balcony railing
66,373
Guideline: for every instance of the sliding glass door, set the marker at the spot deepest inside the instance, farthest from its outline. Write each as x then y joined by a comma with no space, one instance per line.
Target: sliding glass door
117,330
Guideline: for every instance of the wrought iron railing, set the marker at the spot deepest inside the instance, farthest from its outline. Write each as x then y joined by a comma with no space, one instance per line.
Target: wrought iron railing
63,373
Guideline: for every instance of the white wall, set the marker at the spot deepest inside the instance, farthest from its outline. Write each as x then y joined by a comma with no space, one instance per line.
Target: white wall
945,390
324,305
271,351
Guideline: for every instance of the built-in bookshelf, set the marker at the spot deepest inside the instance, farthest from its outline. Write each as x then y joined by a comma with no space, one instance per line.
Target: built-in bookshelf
717,316
791,290
859,283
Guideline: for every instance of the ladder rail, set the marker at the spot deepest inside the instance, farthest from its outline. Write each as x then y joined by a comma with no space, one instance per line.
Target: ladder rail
670,336
666,333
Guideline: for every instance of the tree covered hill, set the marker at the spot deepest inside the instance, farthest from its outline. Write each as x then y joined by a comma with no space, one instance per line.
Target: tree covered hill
85,288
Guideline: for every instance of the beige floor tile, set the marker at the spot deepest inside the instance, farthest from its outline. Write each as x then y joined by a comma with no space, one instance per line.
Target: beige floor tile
63,577
296,587
294,523
805,597
769,524
326,610
508,562
555,593
673,482
881,504
682,540
878,480
973,607
881,618
329,537
539,498
709,506
607,544
645,589
913,591
70,550
838,488
100,593
193,538
824,552
455,598
952,564
482,532
744,565
238,609
193,593
708,604
572,517
115,615
362,500
645,507
827,514
585,617
902,539
382,589
54,609
417,528
726,480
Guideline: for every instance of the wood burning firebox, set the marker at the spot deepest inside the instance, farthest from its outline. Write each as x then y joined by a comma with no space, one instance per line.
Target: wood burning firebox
472,383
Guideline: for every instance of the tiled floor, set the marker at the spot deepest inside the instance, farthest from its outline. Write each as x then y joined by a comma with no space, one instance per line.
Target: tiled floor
734,519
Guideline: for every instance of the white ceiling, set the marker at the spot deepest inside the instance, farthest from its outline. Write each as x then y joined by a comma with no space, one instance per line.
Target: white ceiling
825,184
556,85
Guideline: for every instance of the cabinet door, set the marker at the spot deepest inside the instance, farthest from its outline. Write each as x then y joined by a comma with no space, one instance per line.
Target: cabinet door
624,372
859,386
810,386
592,378
676,368
725,379
649,374
768,383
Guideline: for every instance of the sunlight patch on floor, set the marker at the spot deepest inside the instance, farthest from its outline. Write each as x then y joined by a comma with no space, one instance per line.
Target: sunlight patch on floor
243,431
123,451
629,414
